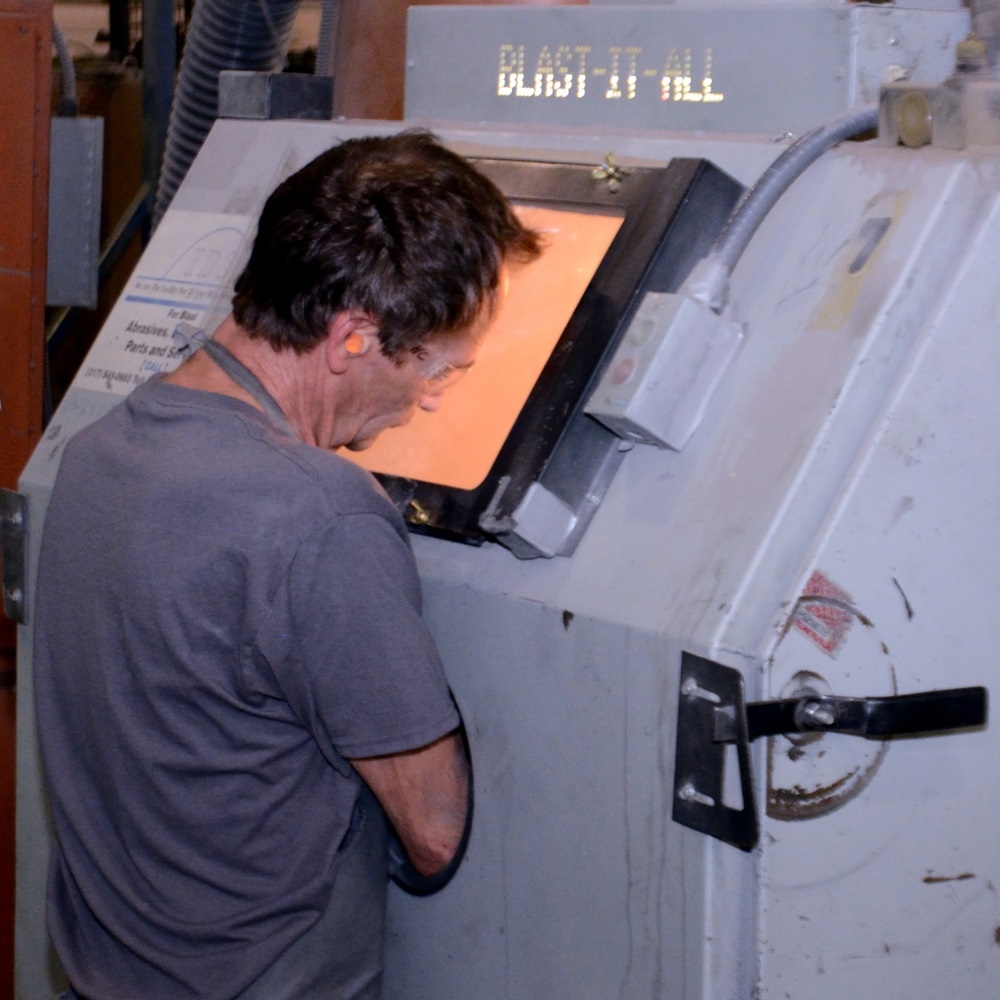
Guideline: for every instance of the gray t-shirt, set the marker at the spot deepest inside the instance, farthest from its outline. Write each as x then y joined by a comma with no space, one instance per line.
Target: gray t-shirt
223,616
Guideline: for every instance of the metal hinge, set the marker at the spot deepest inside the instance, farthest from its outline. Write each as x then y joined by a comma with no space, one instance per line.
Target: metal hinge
712,715
13,529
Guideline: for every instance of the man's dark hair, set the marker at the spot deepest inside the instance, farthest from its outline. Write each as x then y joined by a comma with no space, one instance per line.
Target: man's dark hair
398,227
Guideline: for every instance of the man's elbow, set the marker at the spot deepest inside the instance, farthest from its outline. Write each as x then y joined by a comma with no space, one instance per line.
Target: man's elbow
426,796
430,860
434,849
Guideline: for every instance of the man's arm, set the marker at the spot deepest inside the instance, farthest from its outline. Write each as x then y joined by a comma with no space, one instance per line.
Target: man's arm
425,794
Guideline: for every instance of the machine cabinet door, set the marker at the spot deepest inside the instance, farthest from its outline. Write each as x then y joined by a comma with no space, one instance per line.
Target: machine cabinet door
877,865
879,860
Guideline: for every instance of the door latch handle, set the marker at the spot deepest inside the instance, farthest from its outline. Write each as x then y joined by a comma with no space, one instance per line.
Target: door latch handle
712,713
877,718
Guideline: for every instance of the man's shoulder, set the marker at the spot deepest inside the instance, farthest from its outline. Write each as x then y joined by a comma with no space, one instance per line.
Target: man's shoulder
202,442
353,488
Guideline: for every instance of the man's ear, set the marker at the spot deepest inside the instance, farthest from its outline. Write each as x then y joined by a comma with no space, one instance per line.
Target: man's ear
351,334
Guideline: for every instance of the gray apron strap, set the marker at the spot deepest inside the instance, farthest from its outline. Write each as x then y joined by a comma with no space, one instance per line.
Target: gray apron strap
246,379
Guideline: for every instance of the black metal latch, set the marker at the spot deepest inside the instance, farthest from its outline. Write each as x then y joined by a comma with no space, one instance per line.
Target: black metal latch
13,516
712,714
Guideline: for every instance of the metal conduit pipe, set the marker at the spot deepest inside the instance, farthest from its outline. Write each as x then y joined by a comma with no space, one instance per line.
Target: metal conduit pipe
68,106
326,48
224,34
709,282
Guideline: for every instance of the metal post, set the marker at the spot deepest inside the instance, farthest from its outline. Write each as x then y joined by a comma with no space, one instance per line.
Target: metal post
159,58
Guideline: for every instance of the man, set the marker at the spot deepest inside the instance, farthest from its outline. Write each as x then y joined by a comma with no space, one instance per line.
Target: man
229,652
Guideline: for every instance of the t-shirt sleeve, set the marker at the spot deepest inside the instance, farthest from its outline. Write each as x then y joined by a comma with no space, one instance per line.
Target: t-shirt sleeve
348,646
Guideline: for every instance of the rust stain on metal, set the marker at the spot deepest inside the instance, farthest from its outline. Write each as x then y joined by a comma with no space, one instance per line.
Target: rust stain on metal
824,612
567,617
798,802
996,935
802,803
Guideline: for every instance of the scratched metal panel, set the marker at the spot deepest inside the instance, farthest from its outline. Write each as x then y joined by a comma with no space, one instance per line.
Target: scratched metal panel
881,860
709,549
723,69
878,859
866,380
576,883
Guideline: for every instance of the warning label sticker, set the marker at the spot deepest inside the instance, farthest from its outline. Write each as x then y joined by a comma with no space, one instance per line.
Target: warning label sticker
824,613
177,295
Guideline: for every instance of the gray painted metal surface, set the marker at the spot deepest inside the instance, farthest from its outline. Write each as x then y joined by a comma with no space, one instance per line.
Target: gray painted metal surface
795,494
773,69
248,94
228,182
833,514
886,848
75,161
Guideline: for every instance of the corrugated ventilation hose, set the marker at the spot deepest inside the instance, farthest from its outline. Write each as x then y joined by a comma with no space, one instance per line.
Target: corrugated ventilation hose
224,34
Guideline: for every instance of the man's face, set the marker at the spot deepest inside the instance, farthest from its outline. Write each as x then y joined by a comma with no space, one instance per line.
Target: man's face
394,390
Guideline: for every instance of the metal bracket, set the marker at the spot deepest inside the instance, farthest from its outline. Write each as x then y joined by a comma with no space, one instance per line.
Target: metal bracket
611,172
712,714
13,529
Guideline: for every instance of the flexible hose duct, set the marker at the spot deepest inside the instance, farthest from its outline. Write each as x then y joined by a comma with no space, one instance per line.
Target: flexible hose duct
224,34
778,177
710,280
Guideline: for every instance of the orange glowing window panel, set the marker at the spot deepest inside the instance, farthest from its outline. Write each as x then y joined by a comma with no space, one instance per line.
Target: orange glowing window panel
456,446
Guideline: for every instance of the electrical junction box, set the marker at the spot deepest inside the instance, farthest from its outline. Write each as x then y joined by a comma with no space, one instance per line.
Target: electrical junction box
659,382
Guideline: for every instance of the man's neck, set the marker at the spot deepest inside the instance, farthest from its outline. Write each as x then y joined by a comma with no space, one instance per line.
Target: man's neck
289,378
